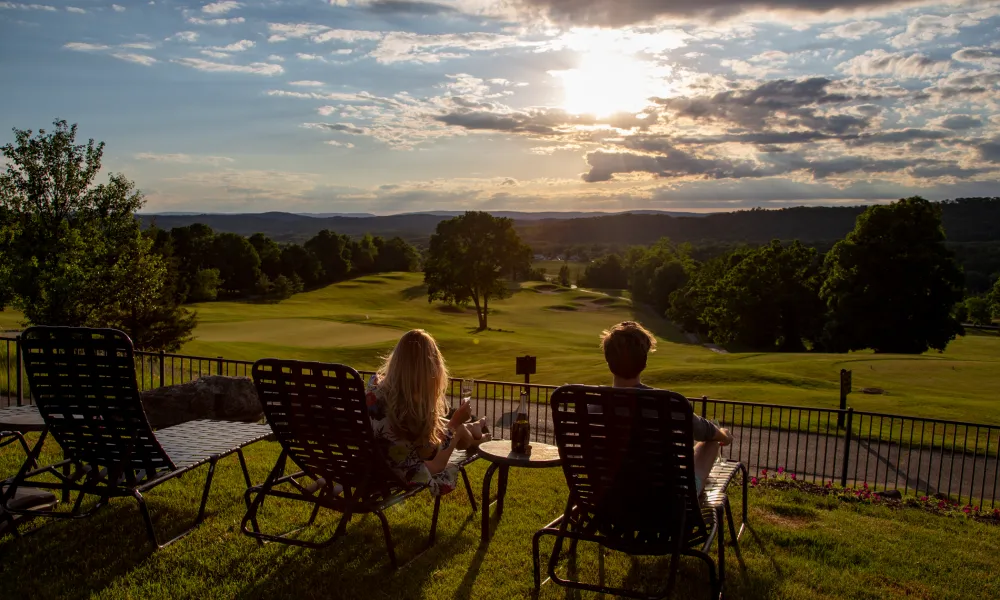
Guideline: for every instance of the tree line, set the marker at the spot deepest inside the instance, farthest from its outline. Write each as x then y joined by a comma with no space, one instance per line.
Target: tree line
891,285
204,265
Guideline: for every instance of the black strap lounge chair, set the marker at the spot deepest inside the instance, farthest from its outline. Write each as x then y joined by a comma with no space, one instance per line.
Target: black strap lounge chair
24,498
320,417
628,458
84,384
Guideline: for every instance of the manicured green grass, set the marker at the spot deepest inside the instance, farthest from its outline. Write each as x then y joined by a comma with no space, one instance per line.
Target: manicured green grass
813,548
356,322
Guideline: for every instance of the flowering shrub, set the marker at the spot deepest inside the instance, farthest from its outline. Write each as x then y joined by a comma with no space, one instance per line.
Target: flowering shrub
783,480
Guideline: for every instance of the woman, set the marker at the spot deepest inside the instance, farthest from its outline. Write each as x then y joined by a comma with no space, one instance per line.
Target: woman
406,402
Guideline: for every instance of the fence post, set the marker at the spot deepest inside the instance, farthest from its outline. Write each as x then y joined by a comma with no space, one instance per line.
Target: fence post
20,368
218,365
845,389
162,370
847,447
704,406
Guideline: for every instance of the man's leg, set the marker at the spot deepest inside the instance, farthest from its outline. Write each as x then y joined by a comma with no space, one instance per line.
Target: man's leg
705,455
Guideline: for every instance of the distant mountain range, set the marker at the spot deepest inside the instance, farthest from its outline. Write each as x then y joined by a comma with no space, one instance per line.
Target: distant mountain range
966,220
510,214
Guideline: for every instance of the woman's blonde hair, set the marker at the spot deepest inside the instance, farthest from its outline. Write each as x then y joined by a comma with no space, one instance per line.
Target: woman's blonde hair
412,382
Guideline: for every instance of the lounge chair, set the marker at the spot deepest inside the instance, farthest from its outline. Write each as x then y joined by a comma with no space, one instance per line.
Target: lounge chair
320,417
24,498
83,382
628,458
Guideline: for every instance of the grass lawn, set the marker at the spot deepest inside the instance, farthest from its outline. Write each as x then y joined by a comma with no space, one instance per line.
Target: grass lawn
356,322
813,548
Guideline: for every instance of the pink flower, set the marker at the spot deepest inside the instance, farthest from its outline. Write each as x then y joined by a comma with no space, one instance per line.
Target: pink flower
781,470
753,481
793,476
763,472
923,498
866,485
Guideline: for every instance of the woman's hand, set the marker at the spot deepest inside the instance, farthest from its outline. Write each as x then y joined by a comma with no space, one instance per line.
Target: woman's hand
461,415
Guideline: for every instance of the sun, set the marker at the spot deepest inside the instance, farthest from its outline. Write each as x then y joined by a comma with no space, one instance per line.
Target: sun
607,83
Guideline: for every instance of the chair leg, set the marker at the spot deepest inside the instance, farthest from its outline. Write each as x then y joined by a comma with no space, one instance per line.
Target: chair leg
468,489
722,548
713,579
145,517
735,540
390,548
434,520
208,486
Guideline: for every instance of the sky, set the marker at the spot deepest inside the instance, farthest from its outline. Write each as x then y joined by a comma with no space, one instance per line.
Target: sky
388,106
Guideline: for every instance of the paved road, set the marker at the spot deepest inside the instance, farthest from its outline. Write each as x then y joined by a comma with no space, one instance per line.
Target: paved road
820,458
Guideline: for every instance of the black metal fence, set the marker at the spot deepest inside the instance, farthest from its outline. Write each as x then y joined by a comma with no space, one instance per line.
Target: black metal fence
844,447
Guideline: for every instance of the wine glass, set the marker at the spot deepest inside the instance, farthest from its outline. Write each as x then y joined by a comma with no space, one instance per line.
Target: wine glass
718,425
467,386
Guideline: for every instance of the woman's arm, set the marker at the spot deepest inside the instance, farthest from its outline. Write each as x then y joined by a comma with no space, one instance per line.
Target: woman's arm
440,460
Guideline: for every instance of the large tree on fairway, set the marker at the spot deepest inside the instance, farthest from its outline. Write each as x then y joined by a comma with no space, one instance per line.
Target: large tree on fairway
468,258
892,283
768,298
993,298
74,250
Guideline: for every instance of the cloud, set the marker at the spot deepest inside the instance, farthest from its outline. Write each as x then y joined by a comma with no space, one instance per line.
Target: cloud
85,47
76,10
409,7
216,54
341,127
854,30
184,36
964,85
220,8
984,56
215,22
990,151
141,59
304,56
276,58
875,63
19,6
960,122
927,28
339,144
256,68
117,8
307,83
611,13
239,46
400,46
139,46
183,159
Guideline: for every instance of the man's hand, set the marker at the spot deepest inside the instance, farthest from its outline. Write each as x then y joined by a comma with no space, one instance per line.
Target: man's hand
724,437
461,415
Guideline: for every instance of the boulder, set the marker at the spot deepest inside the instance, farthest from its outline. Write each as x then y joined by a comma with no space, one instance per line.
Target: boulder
210,397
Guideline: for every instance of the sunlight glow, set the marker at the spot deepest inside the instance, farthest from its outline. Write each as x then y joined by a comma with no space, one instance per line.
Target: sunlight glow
607,83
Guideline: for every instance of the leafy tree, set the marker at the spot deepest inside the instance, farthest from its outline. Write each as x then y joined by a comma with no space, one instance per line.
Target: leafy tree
74,250
892,283
192,250
994,298
978,309
608,272
333,253
767,299
961,312
298,262
688,304
564,275
363,255
396,255
270,254
237,262
282,289
205,287
468,257
657,272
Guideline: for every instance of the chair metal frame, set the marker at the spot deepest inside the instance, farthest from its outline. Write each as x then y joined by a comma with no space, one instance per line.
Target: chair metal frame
319,415
84,384
628,458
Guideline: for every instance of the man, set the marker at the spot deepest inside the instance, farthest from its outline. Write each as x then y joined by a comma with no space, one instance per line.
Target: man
626,347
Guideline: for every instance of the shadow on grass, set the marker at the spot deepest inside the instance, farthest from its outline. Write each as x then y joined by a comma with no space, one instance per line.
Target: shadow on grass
414,291
660,327
69,559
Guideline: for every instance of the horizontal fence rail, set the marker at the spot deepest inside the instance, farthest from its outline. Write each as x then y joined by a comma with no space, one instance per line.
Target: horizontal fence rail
949,459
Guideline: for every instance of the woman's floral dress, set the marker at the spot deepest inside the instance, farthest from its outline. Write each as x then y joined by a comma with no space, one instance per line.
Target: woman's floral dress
406,459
